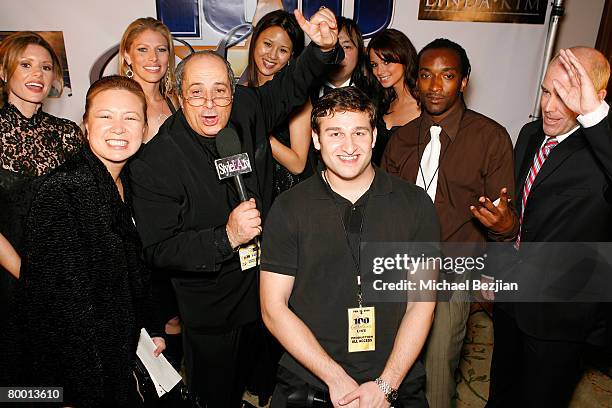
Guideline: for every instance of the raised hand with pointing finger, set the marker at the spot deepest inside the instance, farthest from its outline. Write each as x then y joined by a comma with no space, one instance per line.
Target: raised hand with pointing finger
321,28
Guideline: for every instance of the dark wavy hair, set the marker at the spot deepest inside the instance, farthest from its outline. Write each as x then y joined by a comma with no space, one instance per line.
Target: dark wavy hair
393,46
359,77
348,98
287,22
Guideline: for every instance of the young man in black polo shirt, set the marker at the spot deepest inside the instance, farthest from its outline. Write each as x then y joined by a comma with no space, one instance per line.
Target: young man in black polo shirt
310,269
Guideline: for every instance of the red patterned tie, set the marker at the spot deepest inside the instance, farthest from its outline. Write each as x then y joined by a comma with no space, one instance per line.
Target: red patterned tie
538,161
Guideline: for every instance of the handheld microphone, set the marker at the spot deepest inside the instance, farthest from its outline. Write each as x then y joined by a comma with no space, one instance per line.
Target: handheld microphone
308,398
232,163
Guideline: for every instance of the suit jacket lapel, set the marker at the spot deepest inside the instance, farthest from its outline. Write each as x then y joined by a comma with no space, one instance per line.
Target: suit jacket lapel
533,144
558,155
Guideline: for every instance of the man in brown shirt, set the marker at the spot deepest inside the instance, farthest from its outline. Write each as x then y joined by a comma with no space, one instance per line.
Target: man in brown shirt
468,158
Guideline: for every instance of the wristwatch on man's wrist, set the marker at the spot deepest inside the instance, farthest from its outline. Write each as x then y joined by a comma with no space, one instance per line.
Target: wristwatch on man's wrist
390,392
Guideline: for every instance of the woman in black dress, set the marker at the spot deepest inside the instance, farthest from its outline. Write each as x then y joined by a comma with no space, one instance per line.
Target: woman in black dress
393,62
86,293
32,143
146,54
276,40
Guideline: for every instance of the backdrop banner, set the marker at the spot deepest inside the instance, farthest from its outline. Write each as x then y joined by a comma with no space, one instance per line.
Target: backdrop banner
494,11
505,58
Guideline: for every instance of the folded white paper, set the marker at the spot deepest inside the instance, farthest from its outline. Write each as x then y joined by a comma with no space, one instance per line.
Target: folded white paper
163,375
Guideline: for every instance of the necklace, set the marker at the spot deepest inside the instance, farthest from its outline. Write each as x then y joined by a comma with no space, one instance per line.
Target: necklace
161,118
326,179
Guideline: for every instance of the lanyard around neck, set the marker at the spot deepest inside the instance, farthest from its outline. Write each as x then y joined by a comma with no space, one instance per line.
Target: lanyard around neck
355,259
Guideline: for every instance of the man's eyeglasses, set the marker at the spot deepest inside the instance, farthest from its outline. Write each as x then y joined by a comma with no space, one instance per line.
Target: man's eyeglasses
197,101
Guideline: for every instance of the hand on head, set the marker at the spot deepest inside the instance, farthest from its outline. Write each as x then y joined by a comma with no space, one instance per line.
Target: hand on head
321,28
576,90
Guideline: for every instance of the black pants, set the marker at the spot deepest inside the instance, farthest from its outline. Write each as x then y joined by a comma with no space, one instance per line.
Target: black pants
528,372
268,352
411,393
217,365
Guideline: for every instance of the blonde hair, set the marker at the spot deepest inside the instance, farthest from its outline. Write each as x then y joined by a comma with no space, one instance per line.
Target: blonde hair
11,49
166,85
595,63
600,73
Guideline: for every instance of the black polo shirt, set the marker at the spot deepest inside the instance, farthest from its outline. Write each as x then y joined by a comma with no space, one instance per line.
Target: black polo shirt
304,237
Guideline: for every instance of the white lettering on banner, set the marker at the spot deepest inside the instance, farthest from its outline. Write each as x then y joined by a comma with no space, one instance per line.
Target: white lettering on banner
512,51
497,6
233,165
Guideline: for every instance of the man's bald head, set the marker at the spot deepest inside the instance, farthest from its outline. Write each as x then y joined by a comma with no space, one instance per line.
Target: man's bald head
183,65
595,63
558,118
206,85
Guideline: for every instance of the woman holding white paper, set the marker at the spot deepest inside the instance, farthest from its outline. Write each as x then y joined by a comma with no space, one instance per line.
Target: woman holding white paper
86,292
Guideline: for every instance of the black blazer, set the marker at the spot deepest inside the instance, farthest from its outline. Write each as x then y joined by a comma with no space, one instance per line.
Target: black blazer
570,202
181,206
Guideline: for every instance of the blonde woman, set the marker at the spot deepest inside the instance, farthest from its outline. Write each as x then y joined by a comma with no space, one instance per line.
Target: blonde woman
146,54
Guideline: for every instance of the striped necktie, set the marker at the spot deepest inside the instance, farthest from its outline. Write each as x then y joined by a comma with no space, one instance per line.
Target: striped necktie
538,161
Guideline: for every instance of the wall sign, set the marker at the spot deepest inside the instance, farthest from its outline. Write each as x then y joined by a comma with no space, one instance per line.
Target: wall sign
491,11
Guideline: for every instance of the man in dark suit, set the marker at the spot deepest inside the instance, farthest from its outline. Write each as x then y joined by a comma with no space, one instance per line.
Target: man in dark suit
194,227
563,176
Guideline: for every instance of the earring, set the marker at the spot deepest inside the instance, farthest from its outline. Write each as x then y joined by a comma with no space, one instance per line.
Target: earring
129,73
167,82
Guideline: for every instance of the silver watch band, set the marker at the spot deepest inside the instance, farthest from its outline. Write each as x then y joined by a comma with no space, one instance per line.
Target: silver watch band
386,388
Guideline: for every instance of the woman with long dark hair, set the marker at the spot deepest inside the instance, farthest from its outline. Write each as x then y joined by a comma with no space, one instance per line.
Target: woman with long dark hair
277,39
393,62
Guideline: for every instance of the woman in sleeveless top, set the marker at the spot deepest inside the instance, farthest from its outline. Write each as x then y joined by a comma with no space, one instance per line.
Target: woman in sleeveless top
393,62
276,40
146,54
